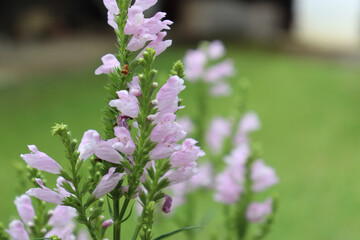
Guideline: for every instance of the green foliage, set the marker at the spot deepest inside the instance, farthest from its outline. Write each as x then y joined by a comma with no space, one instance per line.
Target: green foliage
176,232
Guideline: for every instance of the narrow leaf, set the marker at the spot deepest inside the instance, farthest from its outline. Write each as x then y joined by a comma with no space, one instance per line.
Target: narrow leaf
176,232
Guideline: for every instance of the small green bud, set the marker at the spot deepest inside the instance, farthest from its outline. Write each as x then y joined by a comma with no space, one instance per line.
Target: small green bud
178,69
54,237
59,129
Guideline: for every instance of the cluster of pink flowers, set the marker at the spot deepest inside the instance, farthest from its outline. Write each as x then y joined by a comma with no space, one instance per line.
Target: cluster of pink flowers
144,32
61,221
90,144
233,176
203,63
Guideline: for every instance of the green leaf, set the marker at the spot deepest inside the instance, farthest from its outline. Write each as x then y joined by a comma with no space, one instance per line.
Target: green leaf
176,232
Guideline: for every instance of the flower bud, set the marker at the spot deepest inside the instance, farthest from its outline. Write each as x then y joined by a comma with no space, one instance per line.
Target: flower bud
107,223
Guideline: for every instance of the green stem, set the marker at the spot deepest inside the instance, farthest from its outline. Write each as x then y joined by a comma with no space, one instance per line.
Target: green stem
117,224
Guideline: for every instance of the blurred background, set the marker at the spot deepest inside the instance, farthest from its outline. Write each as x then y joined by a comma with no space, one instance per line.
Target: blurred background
302,57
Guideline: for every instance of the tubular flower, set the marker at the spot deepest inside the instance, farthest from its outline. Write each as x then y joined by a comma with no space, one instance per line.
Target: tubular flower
25,209
122,141
127,104
262,176
46,194
257,212
17,231
109,63
41,161
92,143
107,183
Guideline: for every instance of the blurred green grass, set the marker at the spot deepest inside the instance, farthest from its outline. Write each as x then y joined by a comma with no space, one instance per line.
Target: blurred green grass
311,134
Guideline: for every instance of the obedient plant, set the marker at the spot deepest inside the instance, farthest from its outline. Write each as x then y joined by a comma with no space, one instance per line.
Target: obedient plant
142,152
229,147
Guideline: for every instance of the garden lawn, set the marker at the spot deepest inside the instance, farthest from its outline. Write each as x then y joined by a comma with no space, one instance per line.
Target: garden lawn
311,134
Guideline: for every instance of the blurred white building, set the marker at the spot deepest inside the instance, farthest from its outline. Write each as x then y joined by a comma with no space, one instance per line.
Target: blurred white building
328,24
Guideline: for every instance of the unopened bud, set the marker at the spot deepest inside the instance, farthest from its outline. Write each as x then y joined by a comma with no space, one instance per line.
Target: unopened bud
167,204
107,223
30,224
155,84
155,102
151,118
43,230
135,92
50,212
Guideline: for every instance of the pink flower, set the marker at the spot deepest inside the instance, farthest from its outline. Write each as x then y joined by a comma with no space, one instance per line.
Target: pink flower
188,154
167,96
203,178
17,231
91,143
257,212
109,63
134,87
237,158
41,161
25,208
158,44
186,123
249,123
220,128
111,20
167,130
46,194
227,189
216,49
123,141
145,4
107,183
220,89
219,71
127,104
63,232
61,216
181,174
107,223
167,204
262,176
112,6
194,62
143,29
163,150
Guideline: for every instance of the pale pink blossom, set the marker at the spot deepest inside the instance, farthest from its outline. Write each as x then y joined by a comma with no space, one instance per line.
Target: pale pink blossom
227,189
203,178
158,44
107,223
127,104
188,154
63,232
216,49
248,124
46,194
61,216
92,143
186,123
41,161
181,174
167,130
83,235
238,157
167,96
262,176
163,150
112,6
112,21
122,141
59,187
145,4
257,212
134,87
109,63
219,129
220,71
220,89
143,29
194,62
17,231
107,183
25,209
